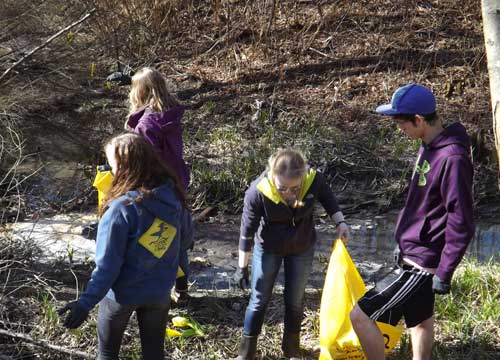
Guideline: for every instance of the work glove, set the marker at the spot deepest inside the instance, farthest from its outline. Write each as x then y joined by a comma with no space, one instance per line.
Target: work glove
76,317
241,277
396,253
439,286
343,231
121,79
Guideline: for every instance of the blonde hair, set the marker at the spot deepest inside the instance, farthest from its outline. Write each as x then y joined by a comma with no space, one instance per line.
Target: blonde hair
149,87
288,163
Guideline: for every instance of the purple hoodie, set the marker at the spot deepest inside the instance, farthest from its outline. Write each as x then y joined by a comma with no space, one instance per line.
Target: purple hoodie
163,131
436,224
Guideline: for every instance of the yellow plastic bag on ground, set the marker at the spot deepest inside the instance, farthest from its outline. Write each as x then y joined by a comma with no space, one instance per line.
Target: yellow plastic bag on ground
343,288
102,183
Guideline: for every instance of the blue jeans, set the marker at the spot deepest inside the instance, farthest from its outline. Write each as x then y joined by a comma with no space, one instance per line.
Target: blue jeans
112,320
265,268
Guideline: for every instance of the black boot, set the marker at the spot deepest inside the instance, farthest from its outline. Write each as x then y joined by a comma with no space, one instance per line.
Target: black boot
180,294
248,348
181,284
291,345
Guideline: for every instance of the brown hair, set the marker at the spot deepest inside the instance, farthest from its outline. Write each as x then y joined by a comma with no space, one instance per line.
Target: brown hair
288,163
429,118
149,87
138,168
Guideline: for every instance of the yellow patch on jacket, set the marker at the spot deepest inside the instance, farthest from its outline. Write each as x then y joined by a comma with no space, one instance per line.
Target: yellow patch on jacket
158,237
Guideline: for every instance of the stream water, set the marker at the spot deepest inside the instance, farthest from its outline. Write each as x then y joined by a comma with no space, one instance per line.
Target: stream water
214,257
215,254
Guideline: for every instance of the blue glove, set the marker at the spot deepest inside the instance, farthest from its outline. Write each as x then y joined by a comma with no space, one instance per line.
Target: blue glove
241,277
439,286
76,317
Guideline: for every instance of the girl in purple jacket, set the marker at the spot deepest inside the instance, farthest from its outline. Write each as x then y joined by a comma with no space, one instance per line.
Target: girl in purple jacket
156,115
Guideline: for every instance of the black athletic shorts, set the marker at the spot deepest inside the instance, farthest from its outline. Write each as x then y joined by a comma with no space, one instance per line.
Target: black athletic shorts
405,291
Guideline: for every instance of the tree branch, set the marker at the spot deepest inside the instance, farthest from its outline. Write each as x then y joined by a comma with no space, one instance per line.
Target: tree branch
44,344
48,41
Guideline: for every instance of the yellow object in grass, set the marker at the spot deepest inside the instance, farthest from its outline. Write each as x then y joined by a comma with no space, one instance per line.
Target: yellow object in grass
180,321
173,333
93,68
195,329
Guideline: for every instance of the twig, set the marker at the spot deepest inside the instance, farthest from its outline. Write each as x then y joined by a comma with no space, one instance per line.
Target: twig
228,20
45,344
271,17
213,46
48,41
320,12
6,281
321,53
76,282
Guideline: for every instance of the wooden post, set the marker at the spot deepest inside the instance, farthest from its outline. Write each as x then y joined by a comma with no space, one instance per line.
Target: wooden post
491,29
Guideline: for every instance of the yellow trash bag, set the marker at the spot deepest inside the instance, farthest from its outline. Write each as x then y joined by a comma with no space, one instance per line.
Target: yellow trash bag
343,288
102,183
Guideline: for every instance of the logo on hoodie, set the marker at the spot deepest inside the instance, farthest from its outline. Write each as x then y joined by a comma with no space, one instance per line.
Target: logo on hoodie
421,171
158,237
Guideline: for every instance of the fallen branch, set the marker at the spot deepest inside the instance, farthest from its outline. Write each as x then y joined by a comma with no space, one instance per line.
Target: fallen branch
45,344
321,53
48,41
202,215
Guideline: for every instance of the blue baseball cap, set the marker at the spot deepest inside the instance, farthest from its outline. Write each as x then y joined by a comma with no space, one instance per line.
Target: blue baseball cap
411,99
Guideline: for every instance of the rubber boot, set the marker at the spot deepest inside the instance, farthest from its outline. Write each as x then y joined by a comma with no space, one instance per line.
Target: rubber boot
291,345
248,348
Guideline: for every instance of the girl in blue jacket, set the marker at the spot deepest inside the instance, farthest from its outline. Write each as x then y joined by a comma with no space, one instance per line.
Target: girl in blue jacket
143,223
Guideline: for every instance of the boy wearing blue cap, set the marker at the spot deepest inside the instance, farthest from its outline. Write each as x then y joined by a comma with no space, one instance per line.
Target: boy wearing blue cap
432,231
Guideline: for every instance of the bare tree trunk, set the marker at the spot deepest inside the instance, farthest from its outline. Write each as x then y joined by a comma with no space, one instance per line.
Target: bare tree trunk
491,28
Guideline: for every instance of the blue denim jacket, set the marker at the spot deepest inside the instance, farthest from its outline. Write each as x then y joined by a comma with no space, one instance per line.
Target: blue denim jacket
137,252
